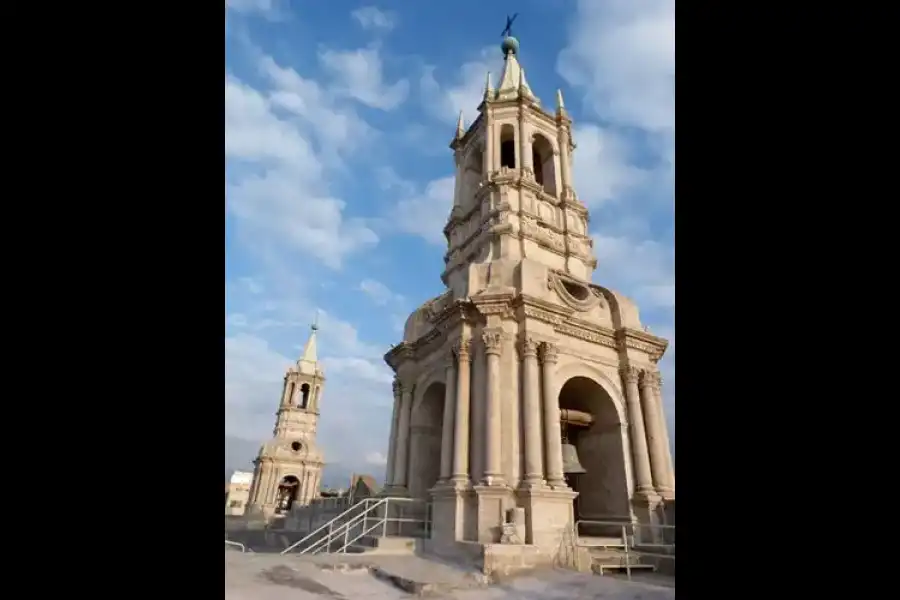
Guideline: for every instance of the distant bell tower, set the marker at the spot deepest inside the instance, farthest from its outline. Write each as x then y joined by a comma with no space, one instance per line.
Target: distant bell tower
289,467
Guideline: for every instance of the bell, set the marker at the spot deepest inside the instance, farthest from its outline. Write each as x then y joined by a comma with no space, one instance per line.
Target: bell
571,466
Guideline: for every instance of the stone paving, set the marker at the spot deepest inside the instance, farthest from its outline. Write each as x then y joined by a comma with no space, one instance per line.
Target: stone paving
275,577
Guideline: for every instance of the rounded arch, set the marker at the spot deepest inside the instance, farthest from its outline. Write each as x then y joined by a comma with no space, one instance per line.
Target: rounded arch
543,160
570,370
508,154
426,429
423,383
428,404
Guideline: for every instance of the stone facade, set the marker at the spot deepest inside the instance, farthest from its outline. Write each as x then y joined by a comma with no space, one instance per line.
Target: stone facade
520,333
288,469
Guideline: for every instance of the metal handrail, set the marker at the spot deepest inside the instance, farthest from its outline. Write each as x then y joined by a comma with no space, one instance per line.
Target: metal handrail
237,544
343,529
628,540
330,524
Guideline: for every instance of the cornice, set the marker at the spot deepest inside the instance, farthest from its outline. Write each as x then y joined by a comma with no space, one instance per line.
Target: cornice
643,341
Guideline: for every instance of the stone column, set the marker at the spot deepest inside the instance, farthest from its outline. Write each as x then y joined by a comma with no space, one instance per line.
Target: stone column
638,434
525,162
531,415
664,428
461,420
552,433
447,428
401,462
488,146
565,168
652,422
493,424
392,441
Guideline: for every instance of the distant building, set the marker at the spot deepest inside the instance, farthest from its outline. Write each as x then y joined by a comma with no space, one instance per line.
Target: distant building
237,492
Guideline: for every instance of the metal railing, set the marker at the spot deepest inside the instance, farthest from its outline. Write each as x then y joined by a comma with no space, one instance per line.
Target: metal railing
362,519
242,547
636,540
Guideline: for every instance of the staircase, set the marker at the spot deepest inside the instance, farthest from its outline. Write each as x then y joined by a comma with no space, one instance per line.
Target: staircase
382,525
637,547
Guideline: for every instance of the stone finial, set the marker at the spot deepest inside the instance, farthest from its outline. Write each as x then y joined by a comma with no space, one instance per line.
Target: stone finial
460,126
560,105
487,86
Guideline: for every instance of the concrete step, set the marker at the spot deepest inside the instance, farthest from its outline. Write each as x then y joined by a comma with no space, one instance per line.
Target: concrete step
597,541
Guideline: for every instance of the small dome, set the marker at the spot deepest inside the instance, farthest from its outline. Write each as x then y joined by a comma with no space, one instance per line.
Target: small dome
510,44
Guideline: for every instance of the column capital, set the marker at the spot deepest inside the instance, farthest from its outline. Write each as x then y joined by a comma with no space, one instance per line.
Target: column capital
463,350
528,347
649,379
549,353
630,374
493,341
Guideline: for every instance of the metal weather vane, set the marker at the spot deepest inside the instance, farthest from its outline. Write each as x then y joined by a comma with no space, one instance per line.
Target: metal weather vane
507,31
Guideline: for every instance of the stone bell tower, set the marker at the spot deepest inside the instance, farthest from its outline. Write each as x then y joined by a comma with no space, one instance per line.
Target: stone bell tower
288,469
522,355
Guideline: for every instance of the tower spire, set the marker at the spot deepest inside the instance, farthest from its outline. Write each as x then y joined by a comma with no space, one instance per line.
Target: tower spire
310,357
512,82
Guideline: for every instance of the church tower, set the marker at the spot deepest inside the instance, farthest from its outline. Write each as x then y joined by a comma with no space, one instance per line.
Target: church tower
525,389
288,469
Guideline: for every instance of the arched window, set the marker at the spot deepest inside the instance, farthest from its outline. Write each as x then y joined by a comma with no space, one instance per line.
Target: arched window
508,146
544,164
304,395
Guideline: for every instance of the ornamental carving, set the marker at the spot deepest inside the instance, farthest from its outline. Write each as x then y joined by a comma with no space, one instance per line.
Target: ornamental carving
398,387
648,379
630,375
493,341
549,352
462,349
528,347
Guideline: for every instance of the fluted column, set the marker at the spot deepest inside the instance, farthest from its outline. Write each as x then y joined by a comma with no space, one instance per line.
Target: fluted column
461,420
531,415
652,423
493,346
552,433
447,428
392,441
401,463
638,435
664,428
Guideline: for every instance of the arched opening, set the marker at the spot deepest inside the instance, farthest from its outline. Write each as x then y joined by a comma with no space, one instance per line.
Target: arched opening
590,422
472,175
425,441
304,395
287,494
544,164
508,146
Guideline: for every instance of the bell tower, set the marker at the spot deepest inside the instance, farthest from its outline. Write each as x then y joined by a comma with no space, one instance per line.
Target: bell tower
288,469
514,198
526,397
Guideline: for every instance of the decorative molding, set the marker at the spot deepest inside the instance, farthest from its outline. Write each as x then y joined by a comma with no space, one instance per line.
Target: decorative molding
462,349
642,341
528,347
648,379
549,353
558,281
630,374
493,341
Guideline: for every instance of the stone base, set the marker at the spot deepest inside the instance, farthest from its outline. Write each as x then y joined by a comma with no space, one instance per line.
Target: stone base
448,512
491,504
648,507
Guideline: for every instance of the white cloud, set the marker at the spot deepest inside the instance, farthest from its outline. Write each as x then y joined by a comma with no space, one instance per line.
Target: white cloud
359,74
376,459
424,212
463,90
379,293
371,18
621,54
645,269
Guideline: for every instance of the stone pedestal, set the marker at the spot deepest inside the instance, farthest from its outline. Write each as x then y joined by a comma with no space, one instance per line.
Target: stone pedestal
448,513
492,503
647,509
549,515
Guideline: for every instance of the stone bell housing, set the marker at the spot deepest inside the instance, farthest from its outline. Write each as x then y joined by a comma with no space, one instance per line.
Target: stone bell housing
522,354
288,469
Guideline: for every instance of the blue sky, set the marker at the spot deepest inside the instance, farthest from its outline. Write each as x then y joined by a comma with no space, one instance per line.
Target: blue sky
338,117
